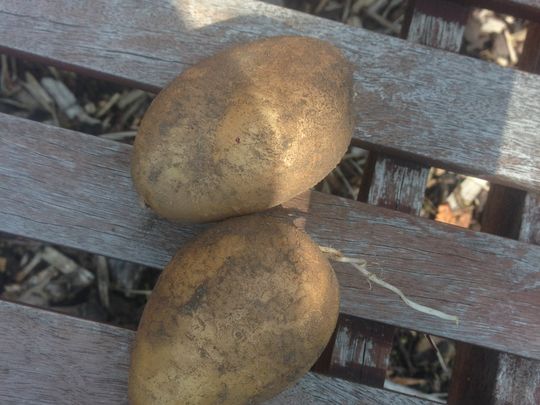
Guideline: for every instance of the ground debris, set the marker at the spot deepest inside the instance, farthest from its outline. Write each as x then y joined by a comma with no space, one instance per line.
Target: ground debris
495,37
49,278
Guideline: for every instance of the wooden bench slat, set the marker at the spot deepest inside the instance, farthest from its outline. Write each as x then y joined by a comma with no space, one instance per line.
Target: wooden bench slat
75,189
432,106
50,358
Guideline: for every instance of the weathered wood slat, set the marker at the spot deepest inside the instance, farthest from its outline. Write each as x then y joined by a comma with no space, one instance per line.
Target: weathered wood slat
439,24
530,221
74,189
398,184
50,358
361,351
404,91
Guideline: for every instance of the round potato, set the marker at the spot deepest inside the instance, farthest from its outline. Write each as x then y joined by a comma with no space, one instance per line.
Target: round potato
245,130
237,316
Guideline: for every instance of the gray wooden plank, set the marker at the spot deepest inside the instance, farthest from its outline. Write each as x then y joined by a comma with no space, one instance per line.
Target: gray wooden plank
361,351
50,358
517,381
75,189
398,184
441,109
439,24
530,221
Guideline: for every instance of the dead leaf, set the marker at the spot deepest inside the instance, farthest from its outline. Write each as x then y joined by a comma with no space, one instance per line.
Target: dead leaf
460,218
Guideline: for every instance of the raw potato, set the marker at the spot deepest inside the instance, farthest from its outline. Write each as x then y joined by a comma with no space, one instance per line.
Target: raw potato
237,316
245,130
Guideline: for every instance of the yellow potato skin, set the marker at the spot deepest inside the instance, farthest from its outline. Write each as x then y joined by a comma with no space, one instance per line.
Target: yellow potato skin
245,130
237,316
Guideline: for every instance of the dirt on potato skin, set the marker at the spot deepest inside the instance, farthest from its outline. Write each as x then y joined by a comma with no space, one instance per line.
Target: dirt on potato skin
233,135
240,313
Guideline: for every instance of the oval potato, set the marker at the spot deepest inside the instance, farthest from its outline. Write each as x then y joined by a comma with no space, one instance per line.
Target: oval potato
237,316
245,130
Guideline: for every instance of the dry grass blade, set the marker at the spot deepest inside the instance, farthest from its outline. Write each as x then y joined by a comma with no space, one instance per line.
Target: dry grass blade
138,292
320,7
66,100
21,275
103,281
393,28
346,10
40,95
7,82
108,105
438,352
130,97
35,293
345,182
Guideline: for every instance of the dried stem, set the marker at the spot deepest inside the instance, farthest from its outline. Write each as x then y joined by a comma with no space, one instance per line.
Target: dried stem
361,264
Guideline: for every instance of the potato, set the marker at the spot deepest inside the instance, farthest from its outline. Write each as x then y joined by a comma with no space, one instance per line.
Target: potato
237,316
245,130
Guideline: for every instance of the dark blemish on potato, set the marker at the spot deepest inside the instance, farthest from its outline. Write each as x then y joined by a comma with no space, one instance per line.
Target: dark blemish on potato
289,357
221,369
223,393
204,354
237,140
157,332
154,174
164,128
196,300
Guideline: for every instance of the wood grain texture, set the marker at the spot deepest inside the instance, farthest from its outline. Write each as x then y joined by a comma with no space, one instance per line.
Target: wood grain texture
50,358
439,24
530,221
473,376
503,211
398,185
75,189
511,379
517,381
484,376
529,60
441,109
361,351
